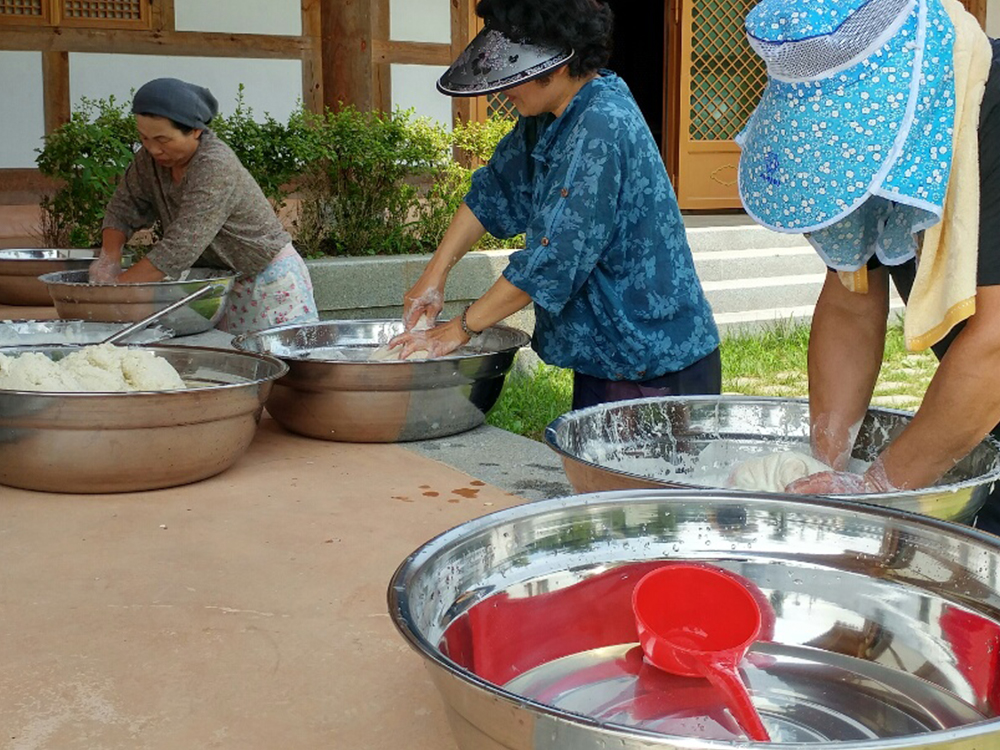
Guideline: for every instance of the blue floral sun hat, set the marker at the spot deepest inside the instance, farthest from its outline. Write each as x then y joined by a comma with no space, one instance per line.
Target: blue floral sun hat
859,104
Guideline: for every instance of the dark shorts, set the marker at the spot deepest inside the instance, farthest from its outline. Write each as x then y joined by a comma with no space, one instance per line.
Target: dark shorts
704,377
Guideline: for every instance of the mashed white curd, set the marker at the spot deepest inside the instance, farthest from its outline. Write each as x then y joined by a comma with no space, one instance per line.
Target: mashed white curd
101,368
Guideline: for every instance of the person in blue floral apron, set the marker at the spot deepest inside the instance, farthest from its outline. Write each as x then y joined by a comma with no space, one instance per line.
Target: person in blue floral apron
878,137
606,261
210,210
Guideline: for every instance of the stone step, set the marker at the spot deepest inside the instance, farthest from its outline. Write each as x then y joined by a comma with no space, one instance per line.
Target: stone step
763,292
722,265
748,237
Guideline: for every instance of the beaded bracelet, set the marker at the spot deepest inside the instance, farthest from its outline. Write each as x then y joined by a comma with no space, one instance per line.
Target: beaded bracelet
465,325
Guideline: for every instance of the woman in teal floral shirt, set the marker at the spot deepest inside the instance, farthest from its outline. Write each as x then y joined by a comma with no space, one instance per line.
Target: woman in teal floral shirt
606,260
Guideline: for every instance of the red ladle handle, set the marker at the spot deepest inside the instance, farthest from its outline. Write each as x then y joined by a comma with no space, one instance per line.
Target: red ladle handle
725,678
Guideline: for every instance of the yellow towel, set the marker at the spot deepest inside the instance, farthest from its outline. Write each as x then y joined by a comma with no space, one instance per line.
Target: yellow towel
944,290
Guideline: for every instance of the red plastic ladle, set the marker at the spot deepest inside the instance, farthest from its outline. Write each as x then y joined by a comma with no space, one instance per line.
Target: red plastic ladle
697,620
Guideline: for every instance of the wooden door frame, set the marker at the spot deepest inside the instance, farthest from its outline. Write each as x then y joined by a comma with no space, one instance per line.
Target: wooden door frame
671,94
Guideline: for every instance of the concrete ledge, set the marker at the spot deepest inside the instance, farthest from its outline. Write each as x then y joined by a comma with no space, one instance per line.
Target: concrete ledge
373,287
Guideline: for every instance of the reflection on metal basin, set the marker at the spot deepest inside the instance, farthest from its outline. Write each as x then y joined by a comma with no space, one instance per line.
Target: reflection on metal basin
654,442
881,628
75,297
333,392
20,269
123,442
82,332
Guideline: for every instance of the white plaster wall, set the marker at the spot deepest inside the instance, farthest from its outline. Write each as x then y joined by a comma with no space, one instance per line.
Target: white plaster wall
240,16
271,86
22,114
413,86
418,21
993,18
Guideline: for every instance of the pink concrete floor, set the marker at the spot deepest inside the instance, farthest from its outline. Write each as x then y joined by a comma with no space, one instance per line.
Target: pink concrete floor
244,611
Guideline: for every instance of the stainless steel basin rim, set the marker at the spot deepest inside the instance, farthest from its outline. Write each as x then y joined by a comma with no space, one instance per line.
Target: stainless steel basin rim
641,425
423,631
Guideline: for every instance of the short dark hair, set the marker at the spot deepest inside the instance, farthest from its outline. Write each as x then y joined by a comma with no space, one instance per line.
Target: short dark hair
585,26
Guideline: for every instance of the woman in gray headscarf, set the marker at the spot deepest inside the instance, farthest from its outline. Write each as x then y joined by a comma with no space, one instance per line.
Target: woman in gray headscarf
210,210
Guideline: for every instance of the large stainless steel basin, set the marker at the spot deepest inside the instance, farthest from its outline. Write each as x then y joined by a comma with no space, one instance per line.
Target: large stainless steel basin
121,442
76,298
333,392
882,628
653,442
20,269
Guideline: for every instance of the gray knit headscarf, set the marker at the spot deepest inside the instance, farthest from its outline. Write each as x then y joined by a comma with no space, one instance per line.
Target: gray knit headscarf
184,103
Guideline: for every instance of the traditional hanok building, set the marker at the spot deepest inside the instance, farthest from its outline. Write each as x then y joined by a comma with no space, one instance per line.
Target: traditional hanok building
687,62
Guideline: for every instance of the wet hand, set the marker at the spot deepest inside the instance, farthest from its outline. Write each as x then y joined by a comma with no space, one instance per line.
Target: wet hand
422,302
104,270
873,481
829,483
437,342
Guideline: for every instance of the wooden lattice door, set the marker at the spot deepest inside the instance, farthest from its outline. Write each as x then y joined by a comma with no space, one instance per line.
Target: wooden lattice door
719,82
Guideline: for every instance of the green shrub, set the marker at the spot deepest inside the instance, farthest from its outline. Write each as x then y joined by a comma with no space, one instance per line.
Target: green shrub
359,195
474,143
369,183
269,149
88,155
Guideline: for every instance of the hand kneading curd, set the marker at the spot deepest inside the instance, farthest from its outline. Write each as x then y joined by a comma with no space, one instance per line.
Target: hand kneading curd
385,354
774,471
104,368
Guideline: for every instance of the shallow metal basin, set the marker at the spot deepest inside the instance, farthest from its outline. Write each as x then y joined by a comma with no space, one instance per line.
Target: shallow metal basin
121,442
76,298
882,628
82,332
333,392
652,442
20,269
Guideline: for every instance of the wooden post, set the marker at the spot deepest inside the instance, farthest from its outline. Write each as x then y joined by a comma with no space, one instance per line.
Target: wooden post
55,88
978,9
312,55
464,26
381,71
348,65
163,16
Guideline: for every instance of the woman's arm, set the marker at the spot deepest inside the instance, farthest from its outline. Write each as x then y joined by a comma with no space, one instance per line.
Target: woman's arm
961,405
426,297
108,266
500,300
846,345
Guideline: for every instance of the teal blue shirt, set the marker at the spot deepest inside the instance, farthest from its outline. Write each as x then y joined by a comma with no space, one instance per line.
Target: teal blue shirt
606,259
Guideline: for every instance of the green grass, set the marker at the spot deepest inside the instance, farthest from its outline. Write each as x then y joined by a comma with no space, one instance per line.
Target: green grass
530,401
767,362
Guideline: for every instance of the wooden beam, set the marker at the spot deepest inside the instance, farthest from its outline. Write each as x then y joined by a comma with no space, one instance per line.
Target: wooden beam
348,69
149,42
55,89
412,53
312,57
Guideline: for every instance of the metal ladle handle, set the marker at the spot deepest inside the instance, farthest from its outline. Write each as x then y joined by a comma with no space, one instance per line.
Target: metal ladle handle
139,325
